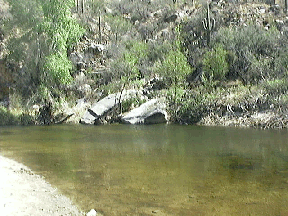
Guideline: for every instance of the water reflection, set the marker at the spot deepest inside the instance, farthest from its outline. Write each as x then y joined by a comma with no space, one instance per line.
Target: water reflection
176,170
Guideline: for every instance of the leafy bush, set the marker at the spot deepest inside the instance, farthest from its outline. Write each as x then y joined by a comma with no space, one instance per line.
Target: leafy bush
57,68
277,86
139,10
119,26
128,104
157,51
260,69
26,119
126,67
252,38
174,67
6,117
215,66
192,107
47,33
252,52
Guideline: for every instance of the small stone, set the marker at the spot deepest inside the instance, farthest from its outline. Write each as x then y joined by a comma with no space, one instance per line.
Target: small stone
262,10
92,212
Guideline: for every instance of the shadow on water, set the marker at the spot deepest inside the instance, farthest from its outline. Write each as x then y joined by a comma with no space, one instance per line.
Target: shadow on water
167,169
238,162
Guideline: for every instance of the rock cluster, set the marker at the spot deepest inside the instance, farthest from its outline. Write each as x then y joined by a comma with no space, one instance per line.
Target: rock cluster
103,111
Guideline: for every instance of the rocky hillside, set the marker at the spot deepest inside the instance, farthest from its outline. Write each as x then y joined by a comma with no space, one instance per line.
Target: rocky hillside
92,57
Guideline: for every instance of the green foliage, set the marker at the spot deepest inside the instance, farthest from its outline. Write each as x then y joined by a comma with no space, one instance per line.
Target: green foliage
136,54
95,7
175,67
280,62
119,26
139,10
215,66
251,38
47,33
26,14
130,103
44,93
26,119
10,118
192,108
58,67
253,52
127,66
260,69
63,32
176,94
7,118
157,51
275,87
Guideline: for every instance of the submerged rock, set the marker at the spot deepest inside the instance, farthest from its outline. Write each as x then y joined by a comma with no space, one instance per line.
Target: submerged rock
151,112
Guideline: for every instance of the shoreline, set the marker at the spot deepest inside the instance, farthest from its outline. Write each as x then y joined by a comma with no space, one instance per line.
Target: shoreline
22,192
267,119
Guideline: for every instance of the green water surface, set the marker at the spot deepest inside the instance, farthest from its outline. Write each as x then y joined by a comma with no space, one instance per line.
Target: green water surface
159,169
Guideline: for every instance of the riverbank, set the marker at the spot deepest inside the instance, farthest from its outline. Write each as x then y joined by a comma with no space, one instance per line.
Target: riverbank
231,104
24,193
264,120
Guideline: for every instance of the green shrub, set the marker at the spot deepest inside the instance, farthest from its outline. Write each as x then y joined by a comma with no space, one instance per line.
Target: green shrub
260,69
138,10
27,119
276,87
127,66
252,38
58,68
157,51
47,33
215,66
7,118
175,67
192,108
119,26
130,103
252,50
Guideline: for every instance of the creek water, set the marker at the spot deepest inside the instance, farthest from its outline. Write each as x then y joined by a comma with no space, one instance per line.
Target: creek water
158,169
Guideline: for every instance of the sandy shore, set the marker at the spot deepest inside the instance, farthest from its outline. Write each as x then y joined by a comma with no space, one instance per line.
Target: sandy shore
24,193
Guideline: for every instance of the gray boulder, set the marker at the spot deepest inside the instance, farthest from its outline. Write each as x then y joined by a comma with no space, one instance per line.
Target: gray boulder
101,107
151,112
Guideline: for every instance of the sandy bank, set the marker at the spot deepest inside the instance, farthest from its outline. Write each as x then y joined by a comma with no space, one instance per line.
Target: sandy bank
24,193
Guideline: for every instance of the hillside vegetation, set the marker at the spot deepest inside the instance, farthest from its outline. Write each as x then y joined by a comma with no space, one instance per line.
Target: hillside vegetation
217,63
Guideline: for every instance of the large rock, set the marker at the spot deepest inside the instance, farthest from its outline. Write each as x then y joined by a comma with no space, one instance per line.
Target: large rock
151,112
101,107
